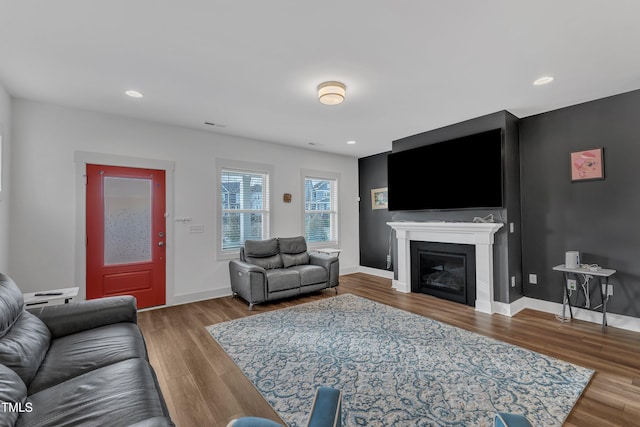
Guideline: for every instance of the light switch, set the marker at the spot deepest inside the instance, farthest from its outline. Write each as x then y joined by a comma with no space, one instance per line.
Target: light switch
196,228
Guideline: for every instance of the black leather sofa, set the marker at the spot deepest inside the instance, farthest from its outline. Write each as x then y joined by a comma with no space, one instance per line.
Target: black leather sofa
279,268
77,364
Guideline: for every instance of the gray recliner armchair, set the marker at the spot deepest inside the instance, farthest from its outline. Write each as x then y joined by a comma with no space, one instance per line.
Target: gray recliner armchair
279,268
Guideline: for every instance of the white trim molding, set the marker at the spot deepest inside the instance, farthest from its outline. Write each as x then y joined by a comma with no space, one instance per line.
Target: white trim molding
376,272
82,158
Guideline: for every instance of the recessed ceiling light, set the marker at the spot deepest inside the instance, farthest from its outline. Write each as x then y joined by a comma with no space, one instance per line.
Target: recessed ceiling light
351,142
133,94
543,81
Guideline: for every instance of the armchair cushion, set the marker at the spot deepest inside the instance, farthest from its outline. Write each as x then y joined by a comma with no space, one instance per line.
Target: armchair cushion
326,411
504,419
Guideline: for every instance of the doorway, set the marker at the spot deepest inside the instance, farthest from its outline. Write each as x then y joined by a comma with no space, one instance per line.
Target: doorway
126,233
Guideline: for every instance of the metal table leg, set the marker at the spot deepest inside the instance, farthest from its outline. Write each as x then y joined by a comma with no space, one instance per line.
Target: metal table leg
566,301
604,293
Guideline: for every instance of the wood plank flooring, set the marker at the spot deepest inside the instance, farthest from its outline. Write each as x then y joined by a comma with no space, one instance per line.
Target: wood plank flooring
203,387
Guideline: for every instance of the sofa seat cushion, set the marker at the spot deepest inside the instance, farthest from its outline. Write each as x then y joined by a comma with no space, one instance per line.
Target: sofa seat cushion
116,395
79,353
310,274
282,279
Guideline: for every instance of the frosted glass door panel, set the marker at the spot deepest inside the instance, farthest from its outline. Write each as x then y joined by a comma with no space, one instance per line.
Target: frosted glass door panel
127,220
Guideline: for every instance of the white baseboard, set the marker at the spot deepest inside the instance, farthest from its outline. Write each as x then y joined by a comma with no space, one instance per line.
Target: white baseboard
376,272
200,296
615,320
348,270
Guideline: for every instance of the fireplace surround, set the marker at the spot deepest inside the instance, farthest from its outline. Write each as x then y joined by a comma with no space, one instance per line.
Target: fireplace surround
480,235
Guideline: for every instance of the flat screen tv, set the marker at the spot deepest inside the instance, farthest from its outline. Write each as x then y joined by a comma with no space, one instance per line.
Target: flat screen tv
462,173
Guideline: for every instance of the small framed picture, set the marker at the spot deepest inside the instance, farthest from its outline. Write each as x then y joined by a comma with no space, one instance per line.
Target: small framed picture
380,198
587,165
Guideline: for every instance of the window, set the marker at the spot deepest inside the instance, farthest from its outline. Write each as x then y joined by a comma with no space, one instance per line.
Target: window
321,209
244,205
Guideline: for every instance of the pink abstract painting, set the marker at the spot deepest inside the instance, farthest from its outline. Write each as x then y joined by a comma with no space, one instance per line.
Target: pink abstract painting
587,164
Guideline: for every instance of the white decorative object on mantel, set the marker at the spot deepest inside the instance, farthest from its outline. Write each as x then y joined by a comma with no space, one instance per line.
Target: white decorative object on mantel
464,233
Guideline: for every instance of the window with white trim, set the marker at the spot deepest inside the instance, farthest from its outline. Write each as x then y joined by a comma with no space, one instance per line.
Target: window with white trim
320,209
244,207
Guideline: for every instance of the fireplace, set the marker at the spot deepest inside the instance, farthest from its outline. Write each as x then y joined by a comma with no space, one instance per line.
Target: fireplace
479,235
444,270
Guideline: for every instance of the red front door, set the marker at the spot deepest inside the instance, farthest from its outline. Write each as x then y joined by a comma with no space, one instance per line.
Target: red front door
126,233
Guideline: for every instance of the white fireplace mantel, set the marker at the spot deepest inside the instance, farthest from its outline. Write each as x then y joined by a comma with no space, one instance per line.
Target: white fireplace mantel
465,233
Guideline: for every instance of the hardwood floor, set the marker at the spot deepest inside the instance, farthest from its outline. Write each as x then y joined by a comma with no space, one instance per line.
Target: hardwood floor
203,387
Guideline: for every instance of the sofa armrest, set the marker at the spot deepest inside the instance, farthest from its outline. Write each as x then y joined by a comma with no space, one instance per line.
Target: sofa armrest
248,280
66,319
330,263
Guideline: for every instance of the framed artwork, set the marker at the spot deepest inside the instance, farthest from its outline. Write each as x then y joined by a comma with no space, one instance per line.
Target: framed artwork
379,198
587,165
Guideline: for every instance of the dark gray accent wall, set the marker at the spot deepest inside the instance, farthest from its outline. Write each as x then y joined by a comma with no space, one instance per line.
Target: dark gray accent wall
507,246
374,231
596,218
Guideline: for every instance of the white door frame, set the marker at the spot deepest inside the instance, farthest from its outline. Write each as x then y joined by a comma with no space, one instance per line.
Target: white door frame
82,158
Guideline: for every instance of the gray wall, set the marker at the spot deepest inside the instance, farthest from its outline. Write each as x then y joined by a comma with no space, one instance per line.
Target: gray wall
551,214
5,158
596,218
374,232
507,249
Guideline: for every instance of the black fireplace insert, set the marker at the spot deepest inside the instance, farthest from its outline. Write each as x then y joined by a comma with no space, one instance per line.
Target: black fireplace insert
444,270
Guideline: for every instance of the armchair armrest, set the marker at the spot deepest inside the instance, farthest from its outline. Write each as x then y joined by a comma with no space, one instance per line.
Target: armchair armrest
330,263
248,280
65,319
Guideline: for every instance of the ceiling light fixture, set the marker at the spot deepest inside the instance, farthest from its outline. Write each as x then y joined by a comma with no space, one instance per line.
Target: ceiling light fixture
331,93
133,94
543,81
351,142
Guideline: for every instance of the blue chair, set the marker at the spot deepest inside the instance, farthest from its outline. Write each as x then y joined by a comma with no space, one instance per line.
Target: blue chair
325,412
511,420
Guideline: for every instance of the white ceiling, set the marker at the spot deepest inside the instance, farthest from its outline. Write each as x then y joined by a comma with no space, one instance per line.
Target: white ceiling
253,66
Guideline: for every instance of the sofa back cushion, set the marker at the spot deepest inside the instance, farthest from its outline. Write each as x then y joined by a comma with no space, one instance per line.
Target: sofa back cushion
12,392
24,339
293,251
263,253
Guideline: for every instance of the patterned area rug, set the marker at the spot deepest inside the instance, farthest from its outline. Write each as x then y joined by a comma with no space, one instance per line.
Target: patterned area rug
394,368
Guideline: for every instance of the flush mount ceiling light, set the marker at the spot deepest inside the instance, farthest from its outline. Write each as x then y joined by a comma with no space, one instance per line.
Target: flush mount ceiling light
543,81
351,142
331,93
133,94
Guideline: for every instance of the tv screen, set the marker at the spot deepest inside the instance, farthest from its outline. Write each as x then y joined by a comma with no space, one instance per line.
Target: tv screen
462,173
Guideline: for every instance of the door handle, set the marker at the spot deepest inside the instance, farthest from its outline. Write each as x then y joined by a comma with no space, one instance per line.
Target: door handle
160,243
